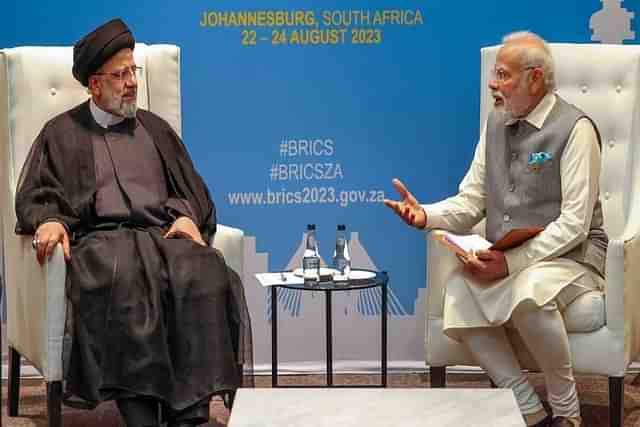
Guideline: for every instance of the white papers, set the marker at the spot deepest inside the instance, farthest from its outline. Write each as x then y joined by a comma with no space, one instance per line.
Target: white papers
291,278
324,271
279,279
470,243
361,275
463,243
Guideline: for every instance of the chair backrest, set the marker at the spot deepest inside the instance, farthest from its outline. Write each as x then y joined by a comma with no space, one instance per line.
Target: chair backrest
36,84
603,81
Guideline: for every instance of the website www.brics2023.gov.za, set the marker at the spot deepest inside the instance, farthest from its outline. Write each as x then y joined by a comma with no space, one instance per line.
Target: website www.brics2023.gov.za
306,195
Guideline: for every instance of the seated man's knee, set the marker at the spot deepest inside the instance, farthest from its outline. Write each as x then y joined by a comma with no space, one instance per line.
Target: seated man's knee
529,313
586,313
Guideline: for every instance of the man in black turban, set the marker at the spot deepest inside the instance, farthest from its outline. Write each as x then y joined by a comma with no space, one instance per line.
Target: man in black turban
156,314
97,47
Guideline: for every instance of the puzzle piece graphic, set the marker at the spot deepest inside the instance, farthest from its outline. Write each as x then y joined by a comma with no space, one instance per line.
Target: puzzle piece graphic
612,24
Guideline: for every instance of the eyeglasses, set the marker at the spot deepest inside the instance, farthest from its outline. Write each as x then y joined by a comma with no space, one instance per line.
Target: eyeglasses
127,73
501,75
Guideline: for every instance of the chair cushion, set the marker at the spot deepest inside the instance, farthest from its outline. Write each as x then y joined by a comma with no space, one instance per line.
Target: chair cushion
586,313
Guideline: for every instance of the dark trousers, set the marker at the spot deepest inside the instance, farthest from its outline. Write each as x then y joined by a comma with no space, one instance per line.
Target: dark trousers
139,412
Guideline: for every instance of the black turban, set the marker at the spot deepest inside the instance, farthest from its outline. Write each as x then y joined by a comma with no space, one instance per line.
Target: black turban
98,46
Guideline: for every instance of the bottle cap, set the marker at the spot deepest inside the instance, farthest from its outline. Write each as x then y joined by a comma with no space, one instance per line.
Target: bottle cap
311,226
341,227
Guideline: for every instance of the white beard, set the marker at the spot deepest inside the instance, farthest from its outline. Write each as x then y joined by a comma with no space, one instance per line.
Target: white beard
502,106
116,105
507,105
128,109
119,107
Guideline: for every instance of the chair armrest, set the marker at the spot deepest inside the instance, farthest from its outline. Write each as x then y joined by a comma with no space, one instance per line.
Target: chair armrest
36,305
623,293
441,263
230,241
615,285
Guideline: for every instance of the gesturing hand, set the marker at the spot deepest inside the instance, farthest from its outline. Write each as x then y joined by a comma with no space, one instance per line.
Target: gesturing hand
408,207
45,239
185,225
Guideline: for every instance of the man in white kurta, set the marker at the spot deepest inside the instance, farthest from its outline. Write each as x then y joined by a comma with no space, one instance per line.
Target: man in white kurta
537,164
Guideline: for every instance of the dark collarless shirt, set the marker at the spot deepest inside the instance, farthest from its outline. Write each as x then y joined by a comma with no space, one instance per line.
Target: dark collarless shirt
130,178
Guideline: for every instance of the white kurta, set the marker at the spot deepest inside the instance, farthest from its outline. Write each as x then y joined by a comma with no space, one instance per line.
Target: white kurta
536,272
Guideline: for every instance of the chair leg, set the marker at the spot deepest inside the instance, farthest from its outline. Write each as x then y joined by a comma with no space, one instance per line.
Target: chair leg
438,376
54,403
163,416
492,384
616,401
14,382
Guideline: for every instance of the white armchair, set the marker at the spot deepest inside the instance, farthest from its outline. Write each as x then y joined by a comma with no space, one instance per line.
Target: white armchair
604,81
35,85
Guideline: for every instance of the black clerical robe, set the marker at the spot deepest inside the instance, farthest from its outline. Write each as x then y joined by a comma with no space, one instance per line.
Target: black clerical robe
164,318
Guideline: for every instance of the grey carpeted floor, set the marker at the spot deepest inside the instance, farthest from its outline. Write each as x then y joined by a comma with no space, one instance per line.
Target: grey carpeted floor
592,391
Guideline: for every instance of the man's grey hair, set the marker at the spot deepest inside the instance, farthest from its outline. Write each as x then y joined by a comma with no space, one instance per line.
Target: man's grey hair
535,56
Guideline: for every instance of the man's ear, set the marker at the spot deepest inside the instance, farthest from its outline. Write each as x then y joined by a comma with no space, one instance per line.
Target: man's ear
93,86
536,80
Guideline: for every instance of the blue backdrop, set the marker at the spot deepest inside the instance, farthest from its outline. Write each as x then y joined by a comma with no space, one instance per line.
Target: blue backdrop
329,124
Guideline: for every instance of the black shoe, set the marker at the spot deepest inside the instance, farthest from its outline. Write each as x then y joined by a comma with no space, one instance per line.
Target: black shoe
566,422
545,422
191,422
194,415
187,423
230,396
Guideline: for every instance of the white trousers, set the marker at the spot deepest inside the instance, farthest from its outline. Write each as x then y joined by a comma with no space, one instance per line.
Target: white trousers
543,331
